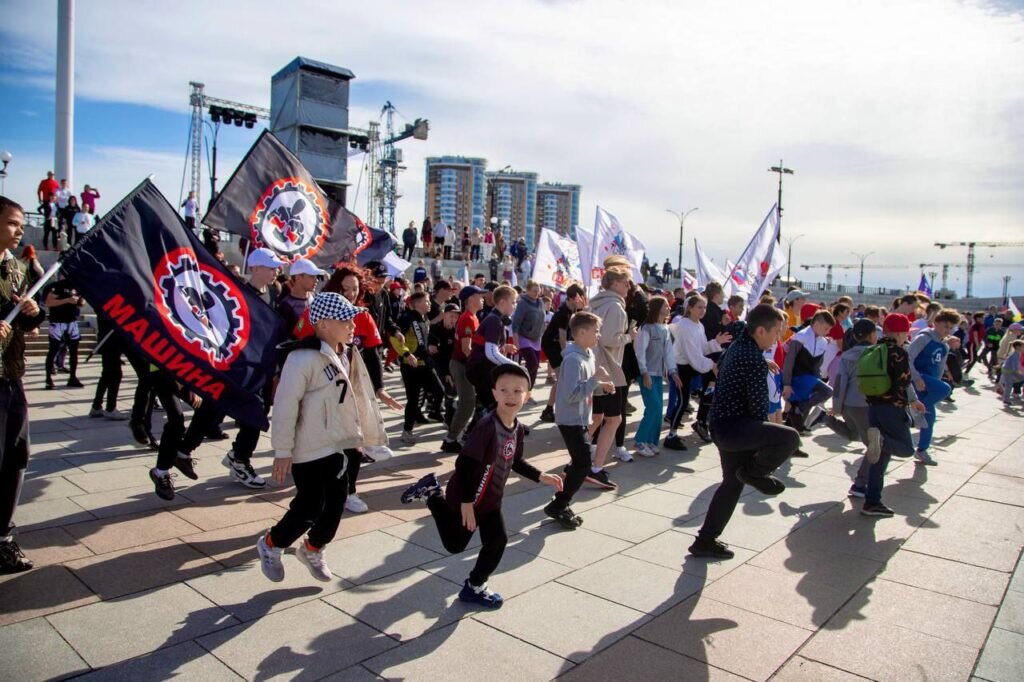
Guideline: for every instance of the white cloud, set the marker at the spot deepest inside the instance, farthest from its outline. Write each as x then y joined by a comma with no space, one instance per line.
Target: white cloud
902,120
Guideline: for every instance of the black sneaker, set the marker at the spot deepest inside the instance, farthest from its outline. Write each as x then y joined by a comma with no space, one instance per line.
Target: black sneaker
452,446
421,489
767,485
421,419
548,415
73,382
12,559
602,480
152,442
629,408
50,385
216,434
139,433
711,549
163,485
799,454
876,509
702,431
186,465
564,515
674,443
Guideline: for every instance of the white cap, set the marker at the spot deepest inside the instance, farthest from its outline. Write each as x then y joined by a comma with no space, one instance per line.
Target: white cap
301,266
264,258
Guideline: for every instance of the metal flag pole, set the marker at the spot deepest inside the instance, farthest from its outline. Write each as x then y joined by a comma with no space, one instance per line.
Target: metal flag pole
99,345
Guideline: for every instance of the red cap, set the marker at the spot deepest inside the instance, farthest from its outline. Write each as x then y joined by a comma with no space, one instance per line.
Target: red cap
895,322
808,310
396,286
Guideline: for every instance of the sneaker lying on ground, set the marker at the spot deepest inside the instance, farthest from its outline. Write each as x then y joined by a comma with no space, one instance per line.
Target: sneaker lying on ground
421,489
480,595
270,560
314,561
243,471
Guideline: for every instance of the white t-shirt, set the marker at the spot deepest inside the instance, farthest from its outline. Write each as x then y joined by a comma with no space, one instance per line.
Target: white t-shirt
63,194
83,222
191,206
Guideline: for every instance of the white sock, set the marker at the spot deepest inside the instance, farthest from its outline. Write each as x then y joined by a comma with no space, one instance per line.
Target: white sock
162,473
595,470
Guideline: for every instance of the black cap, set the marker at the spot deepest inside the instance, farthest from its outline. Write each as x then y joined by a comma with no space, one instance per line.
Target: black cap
469,290
377,269
863,327
491,286
452,308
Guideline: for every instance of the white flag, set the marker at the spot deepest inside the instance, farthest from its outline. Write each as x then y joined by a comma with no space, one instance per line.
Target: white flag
611,239
1012,308
706,270
689,281
585,249
395,264
557,263
749,277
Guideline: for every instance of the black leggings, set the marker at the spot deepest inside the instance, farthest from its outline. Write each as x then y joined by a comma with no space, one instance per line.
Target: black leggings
419,381
575,438
48,230
13,448
321,488
531,359
110,379
687,374
755,446
51,356
455,537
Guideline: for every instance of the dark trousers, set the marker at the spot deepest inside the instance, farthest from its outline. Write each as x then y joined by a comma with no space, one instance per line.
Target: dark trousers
894,425
407,251
13,449
455,537
954,364
109,383
687,374
576,443
419,381
474,252
321,488
51,356
480,376
447,252
50,228
754,446
532,360
174,429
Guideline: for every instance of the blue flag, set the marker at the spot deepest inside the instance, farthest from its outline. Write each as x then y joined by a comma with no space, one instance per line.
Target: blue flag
924,287
179,307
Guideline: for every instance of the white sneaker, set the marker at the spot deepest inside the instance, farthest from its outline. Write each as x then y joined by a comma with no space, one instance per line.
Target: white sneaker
355,505
378,453
314,561
622,454
243,472
645,450
270,560
408,438
114,415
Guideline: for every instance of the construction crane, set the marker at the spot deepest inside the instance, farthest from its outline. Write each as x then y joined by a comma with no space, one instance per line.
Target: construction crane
852,266
221,111
385,161
970,256
945,270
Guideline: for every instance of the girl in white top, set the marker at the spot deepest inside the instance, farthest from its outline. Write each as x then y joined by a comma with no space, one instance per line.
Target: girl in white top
692,347
83,222
656,360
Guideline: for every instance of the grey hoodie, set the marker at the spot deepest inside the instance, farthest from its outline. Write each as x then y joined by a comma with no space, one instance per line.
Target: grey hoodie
576,383
847,393
611,308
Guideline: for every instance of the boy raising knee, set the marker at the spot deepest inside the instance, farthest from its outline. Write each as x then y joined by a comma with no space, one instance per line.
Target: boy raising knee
493,449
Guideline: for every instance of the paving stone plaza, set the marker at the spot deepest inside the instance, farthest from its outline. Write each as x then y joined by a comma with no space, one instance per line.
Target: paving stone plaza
130,587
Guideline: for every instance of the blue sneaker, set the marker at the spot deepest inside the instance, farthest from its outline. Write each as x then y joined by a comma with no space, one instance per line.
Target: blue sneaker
421,489
480,595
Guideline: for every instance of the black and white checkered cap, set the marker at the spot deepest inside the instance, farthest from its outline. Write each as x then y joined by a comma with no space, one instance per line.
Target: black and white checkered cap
332,306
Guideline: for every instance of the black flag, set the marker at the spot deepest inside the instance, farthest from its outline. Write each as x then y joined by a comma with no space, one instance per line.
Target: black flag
170,298
273,200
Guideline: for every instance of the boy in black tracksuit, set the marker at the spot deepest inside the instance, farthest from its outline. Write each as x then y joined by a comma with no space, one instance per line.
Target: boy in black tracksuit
493,449
442,335
418,374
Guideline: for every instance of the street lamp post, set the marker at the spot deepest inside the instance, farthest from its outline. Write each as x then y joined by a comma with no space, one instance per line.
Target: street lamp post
1006,288
863,257
6,157
789,256
682,220
781,170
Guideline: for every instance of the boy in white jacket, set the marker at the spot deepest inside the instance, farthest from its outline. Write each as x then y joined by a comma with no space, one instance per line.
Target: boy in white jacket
324,405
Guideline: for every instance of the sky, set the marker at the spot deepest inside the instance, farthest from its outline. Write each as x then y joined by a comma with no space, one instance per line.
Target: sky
903,121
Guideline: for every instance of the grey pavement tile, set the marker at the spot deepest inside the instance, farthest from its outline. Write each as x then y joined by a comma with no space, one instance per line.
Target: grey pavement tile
109,535
755,533
431,657
48,488
110,460
1017,581
356,673
213,514
129,475
883,651
1003,657
624,523
1007,464
363,558
51,546
39,592
569,623
1011,613
669,549
112,503
116,630
976,532
518,571
726,637
670,505
403,606
817,563
357,524
309,641
247,594
575,548
186,661
638,660
789,597
799,669
634,583
49,513
230,546
141,568
947,577
992,494
33,650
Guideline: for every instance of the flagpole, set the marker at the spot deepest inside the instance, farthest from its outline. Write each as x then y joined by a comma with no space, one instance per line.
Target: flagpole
33,291
245,256
96,348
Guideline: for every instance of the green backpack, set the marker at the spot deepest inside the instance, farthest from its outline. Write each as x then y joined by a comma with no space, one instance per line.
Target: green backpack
872,371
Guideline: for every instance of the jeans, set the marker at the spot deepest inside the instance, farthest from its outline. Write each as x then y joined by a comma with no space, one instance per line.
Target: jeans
936,390
14,448
894,424
649,430
455,537
577,443
321,488
466,402
744,444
